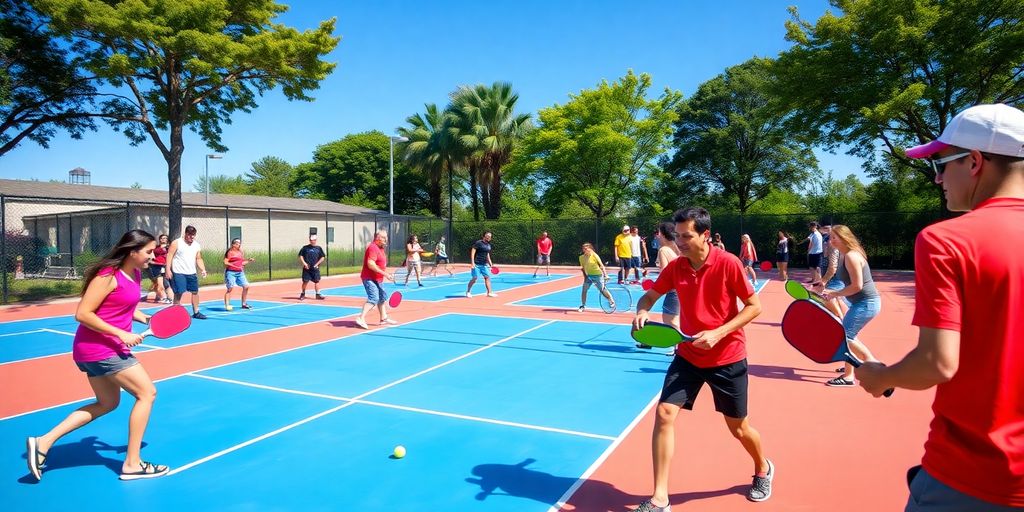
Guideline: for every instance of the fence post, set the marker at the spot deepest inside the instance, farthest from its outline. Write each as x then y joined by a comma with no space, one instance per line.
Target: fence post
227,226
270,251
3,244
327,242
127,219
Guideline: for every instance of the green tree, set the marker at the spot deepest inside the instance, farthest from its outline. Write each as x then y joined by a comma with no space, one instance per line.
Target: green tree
222,184
189,63
41,89
732,139
826,194
487,130
354,170
889,74
597,147
269,176
430,149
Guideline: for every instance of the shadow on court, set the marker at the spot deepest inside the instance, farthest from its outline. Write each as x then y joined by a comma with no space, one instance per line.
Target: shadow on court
786,373
519,481
85,452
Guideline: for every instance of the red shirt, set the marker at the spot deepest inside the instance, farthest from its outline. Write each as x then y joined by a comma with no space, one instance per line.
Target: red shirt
236,260
544,245
970,278
160,255
375,254
707,300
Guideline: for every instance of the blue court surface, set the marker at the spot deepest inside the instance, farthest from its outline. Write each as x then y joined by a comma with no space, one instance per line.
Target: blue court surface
447,287
497,414
570,299
29,339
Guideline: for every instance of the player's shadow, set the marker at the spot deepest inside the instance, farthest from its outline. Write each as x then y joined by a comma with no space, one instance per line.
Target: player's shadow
785,373
519,481
604,347
88,451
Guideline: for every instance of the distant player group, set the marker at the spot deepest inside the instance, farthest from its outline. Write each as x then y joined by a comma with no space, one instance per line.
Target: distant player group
969,299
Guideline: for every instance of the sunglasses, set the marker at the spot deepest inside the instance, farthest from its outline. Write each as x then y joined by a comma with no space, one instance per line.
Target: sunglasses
939,166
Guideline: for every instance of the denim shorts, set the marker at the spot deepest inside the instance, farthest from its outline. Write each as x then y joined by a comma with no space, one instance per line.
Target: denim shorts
182,283
374,291
835,284
747,263
861,312
595,280
234,278
108,366
481,271
670,306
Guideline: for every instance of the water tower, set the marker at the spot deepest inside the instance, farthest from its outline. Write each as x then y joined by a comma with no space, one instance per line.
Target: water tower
79,176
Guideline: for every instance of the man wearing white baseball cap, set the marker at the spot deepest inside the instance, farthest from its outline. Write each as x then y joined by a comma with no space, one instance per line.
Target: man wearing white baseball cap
969,299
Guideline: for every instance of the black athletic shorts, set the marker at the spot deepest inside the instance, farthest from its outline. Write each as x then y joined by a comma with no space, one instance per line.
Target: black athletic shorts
814,260
728,386
310,274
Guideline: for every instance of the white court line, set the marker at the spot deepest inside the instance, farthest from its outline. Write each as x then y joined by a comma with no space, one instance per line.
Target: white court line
154,347
58,332
410,409
600,460
354,400
253,311
22,332
357,333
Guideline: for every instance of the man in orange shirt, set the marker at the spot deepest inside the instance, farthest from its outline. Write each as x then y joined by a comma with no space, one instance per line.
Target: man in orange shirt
970,295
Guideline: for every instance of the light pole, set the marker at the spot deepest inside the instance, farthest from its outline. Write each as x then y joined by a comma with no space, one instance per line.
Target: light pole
212,156
391,193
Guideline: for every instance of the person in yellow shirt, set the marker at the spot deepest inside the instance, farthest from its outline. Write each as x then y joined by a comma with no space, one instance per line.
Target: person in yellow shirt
623,253
593,274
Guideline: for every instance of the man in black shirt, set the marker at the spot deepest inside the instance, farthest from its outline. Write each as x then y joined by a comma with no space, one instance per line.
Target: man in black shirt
311,256
480,255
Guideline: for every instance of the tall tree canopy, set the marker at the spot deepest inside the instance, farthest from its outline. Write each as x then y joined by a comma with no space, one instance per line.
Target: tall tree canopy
42,90
269,176
596,147
189,63
430,149
889,74
731,138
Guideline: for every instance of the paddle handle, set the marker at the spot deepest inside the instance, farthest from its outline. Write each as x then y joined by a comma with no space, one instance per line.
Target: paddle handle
852,359
147,332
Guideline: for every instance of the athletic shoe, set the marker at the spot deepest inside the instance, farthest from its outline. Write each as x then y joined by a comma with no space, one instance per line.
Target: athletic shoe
229,307
168,301
320,297
388,321
362,323
581,309
761,488
469,295
246,306
148,471
647,506
840,382
492,294
199,316
302,296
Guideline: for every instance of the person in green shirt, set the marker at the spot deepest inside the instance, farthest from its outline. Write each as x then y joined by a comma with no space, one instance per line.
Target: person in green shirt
593,274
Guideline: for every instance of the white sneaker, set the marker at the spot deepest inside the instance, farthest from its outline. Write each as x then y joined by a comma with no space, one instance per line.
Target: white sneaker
492,294
388,321
362,323
469,295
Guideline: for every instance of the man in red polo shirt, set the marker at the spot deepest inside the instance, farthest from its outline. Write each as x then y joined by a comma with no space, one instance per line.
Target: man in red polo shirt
970,300
544,245
708,281
373,274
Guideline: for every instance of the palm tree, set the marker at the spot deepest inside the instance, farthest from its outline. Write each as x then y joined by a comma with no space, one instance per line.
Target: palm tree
429,149
487,128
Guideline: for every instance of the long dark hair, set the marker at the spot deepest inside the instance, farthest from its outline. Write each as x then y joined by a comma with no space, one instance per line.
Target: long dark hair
131,241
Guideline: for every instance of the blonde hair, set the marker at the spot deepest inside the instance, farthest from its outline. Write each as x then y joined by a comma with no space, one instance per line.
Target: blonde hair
843,233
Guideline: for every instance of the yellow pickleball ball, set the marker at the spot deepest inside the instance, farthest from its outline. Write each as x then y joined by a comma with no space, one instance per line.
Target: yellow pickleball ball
399,452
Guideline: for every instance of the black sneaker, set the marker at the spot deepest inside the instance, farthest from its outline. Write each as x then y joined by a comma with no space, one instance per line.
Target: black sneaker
246,306
321,297
647,506
302,297
761,488
199,316
641,345
840,382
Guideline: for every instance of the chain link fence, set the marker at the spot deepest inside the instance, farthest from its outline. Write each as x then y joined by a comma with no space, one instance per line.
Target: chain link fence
49,242
888,237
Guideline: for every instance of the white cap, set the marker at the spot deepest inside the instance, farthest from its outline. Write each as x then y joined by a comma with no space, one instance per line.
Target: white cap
996,129
312,237
625,228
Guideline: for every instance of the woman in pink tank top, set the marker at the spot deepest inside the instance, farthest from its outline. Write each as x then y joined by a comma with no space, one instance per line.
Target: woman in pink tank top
102,349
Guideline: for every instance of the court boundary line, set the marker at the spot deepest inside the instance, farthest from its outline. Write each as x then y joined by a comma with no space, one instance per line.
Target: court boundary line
432,412
568,494
462,296
225,313
357,397
357,333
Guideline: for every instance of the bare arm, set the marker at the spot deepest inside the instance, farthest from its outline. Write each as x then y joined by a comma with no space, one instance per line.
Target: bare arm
833,266
93,297
854,265
170,258
199,262
935,360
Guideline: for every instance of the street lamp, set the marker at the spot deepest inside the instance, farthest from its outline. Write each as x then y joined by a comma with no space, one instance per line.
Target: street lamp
391,194
213,156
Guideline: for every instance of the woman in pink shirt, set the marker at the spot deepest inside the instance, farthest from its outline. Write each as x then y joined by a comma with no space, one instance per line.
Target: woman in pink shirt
748,255
234,273
102,349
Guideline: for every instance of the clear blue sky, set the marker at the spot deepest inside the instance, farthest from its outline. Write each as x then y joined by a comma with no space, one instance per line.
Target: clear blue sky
395,56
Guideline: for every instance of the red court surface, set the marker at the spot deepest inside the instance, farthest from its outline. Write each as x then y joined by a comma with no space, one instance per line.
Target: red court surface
833,448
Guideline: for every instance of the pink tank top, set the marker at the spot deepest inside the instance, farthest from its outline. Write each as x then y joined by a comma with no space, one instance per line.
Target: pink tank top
116,309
